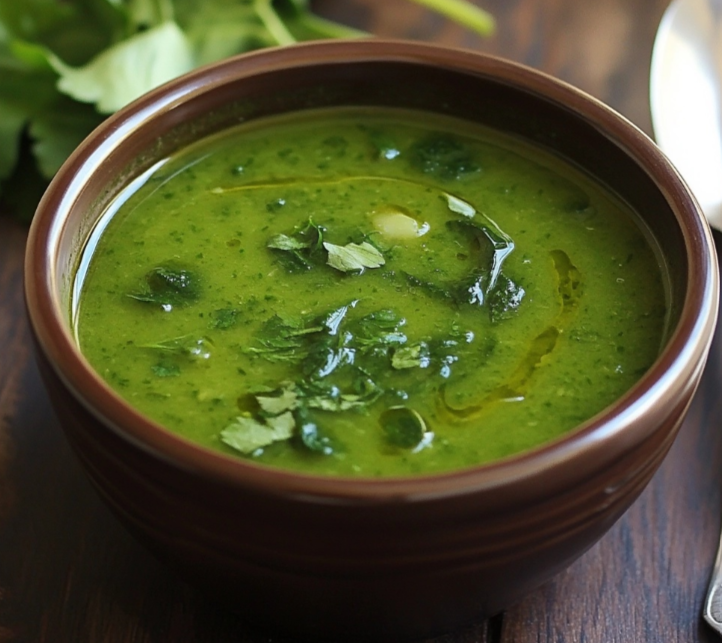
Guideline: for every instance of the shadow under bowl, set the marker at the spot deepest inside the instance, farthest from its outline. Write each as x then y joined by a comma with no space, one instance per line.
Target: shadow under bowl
374,559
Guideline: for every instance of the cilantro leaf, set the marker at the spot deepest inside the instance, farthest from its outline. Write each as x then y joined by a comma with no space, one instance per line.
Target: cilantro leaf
299,249
378,331
128,69
285,400
353,257
217,29
274,416
328,396
459,206
284,242
412,356
169,287
280,339
246,434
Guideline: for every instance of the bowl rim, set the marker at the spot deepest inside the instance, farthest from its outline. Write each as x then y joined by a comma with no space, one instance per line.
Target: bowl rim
682,358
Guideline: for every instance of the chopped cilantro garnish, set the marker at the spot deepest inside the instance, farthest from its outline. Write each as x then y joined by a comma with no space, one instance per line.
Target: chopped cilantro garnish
277,402
302,250
411,356
280,339
247,434
169,287
380,330
343,364
353,257
299,251
284,242
459,206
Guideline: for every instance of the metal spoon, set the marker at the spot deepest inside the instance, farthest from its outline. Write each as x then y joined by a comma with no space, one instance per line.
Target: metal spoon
686,102
686,97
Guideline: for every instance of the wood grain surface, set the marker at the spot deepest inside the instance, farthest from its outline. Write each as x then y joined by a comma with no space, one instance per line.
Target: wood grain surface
70,573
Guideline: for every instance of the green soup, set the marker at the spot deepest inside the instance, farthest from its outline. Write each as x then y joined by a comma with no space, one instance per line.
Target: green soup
369,292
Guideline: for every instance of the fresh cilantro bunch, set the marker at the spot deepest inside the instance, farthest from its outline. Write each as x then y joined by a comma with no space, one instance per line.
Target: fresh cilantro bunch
65,64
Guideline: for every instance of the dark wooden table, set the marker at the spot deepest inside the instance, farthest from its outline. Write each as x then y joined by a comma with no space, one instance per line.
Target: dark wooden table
69,572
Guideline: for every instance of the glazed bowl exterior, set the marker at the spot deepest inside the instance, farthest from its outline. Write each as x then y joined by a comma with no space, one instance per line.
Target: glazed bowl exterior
369,559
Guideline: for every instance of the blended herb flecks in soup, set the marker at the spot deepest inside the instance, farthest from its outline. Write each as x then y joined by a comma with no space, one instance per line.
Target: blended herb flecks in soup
369,292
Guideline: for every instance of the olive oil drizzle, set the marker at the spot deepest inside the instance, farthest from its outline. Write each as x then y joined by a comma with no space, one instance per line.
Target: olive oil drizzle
569,289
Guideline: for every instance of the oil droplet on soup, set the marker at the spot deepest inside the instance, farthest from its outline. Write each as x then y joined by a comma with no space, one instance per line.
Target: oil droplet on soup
291,293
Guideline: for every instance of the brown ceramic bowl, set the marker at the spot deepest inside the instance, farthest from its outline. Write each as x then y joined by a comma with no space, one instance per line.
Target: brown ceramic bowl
370,558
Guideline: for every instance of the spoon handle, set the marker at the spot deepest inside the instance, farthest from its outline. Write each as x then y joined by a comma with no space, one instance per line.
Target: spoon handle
713,602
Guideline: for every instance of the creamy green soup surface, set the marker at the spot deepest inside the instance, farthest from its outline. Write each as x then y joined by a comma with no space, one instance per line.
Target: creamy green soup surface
369,292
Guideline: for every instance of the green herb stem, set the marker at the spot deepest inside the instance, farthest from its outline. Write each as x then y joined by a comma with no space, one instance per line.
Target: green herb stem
463,12
322,28
273,23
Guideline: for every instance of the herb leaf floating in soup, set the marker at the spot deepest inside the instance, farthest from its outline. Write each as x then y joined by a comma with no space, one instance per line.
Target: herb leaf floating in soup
370,292
300,248
168,287
353,257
